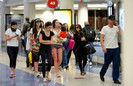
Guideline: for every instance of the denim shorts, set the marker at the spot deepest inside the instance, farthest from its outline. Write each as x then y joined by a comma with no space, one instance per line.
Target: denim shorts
57,46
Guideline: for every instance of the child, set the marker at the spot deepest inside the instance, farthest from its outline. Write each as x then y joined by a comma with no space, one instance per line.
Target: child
62,35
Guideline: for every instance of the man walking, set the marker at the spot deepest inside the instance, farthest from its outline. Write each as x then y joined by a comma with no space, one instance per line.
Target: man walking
110,48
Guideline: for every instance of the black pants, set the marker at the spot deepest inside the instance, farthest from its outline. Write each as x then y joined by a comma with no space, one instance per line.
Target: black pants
75,53
12,53
82,57
46,52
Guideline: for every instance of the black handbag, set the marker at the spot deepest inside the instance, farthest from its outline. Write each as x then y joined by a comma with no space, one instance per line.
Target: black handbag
90,49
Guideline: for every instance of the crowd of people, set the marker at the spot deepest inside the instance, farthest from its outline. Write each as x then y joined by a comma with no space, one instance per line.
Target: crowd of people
54,43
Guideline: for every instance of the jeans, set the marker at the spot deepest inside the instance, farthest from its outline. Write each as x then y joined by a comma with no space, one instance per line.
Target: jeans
112,55
64,57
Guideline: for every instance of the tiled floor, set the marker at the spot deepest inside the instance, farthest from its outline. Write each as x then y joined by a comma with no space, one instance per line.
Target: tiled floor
70,77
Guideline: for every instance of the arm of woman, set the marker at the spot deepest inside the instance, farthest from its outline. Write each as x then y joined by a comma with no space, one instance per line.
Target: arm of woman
10,37
19,37
71,35
31,41
47,42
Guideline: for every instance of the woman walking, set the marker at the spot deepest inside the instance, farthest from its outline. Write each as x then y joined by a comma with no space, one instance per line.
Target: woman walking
12,37
80,42
46,39
56,47
34,37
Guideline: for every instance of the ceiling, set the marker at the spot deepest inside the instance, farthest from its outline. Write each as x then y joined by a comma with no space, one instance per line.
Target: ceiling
40,6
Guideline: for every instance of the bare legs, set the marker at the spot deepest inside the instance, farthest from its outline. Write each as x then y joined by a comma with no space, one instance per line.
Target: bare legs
36,66
57,53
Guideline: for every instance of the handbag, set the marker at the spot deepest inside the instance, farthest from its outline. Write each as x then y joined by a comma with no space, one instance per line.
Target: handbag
36,44
71,44
90,49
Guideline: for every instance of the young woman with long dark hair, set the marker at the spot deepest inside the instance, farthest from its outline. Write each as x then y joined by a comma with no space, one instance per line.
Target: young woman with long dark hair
80,42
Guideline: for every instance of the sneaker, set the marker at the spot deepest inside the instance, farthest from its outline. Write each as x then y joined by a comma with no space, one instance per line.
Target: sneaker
90,63
36,74
102,78
117,82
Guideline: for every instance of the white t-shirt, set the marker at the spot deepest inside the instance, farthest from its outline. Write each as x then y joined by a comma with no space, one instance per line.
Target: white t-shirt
31,32
110,36
13,42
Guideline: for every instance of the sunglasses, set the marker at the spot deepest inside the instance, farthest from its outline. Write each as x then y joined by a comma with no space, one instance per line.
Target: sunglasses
77,27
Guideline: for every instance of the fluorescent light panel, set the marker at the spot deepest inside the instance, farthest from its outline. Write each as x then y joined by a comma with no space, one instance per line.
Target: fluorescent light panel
41,5
97,5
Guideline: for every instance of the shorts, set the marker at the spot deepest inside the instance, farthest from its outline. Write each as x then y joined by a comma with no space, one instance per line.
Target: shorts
36,56
57,46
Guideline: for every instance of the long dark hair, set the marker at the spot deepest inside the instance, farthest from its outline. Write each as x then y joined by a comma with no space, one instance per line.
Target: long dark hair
54,22
80,31
31,25
35,29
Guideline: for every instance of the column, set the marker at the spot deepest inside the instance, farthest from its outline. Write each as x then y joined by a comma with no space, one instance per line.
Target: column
82,14
117,11
128,44
2,24
67,4
29,9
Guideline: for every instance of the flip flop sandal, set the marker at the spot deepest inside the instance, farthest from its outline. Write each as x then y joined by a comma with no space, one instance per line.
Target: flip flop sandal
11,75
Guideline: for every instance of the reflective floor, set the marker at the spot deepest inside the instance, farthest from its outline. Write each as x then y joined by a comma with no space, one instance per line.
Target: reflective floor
69,77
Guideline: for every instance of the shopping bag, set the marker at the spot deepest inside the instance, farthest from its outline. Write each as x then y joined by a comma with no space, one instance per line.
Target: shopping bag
30,57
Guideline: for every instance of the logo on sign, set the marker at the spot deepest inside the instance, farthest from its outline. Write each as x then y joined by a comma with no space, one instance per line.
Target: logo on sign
109,3
52,3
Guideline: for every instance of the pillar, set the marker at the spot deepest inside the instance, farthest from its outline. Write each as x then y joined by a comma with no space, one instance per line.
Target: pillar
82,14
29,9
2,23
128,44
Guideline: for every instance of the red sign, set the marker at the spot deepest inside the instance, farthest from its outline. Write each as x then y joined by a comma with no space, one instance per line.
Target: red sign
80,0
52,3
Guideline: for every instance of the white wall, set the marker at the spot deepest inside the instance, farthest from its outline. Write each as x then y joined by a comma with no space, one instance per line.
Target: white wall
16,12
42,14
128,44
45,15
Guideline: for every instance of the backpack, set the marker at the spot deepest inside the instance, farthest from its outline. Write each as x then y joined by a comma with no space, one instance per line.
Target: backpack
89,34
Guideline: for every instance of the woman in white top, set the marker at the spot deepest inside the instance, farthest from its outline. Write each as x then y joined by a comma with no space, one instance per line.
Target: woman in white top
12,37
56,47
34,36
